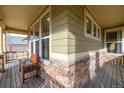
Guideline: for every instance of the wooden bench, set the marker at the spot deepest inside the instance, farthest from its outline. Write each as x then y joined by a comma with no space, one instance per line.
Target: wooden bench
29,65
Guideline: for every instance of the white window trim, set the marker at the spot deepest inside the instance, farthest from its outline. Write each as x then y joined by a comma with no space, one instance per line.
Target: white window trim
112,30
87,14
30,47
49,47
48,10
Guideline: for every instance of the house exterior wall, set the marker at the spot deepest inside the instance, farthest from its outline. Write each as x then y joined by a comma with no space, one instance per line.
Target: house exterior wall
82,54
85,54
59,29
56,70
77,41
73,57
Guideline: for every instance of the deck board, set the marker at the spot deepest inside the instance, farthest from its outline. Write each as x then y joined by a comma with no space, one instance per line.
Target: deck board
109,75
7,85
99,80
3,79
13,84
105,77
12,78
93,81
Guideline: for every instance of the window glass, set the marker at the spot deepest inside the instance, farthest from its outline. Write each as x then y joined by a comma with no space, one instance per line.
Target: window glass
119,36
94,30
37,47
113,40
98,33
88,25
31,47
45,48
111,36
37,30
31,34
114,47
45,25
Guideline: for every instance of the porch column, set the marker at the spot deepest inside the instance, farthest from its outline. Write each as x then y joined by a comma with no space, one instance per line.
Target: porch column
1,51
1,40
4,42
123,40
4,46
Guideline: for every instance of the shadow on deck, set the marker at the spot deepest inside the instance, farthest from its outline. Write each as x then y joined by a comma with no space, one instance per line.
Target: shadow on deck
12,78
110,75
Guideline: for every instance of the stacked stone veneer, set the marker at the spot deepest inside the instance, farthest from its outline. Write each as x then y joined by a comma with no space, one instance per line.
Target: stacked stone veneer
86,67
56,73
73,75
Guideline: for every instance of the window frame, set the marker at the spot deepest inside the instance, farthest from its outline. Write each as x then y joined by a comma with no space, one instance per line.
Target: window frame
87,14
47,11
116,29
46,37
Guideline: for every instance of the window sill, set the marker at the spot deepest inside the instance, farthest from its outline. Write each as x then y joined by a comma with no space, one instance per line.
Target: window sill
45,61
91,37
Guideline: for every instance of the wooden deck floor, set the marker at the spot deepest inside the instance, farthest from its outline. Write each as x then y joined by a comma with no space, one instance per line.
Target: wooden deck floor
109,76
12,79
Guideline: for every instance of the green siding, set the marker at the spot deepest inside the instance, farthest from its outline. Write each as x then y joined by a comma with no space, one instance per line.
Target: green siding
77,41
59,29
68,31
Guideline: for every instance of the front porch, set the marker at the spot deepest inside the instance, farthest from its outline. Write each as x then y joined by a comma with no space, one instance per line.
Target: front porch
72,46
12,78
110,75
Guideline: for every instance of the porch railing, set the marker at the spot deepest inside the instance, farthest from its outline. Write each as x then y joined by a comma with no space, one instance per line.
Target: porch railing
117,60
1,63
15,55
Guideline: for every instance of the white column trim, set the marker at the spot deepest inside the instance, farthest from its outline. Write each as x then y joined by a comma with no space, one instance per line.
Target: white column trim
1,41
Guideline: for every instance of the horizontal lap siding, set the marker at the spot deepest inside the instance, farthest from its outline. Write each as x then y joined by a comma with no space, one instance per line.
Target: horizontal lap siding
59,29
77,41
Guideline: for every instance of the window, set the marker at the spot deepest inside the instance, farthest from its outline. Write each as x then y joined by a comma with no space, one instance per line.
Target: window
45,25
37,25
36,39
45,48
114,41
31,47
98,35
92,29
89,25
45,37
31,34
39,41
37,47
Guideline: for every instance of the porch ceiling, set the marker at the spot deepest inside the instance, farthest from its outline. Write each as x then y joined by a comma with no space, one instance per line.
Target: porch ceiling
20,16
108,15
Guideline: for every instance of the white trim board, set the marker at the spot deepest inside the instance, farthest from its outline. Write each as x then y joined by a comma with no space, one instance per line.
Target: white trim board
73,56
116,29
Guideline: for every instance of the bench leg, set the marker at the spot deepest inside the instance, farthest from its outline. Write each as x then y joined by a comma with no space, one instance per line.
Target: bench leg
36,72
23,73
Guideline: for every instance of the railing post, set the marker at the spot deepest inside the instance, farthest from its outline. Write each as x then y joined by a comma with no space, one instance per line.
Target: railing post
2,63
122,60
118,60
